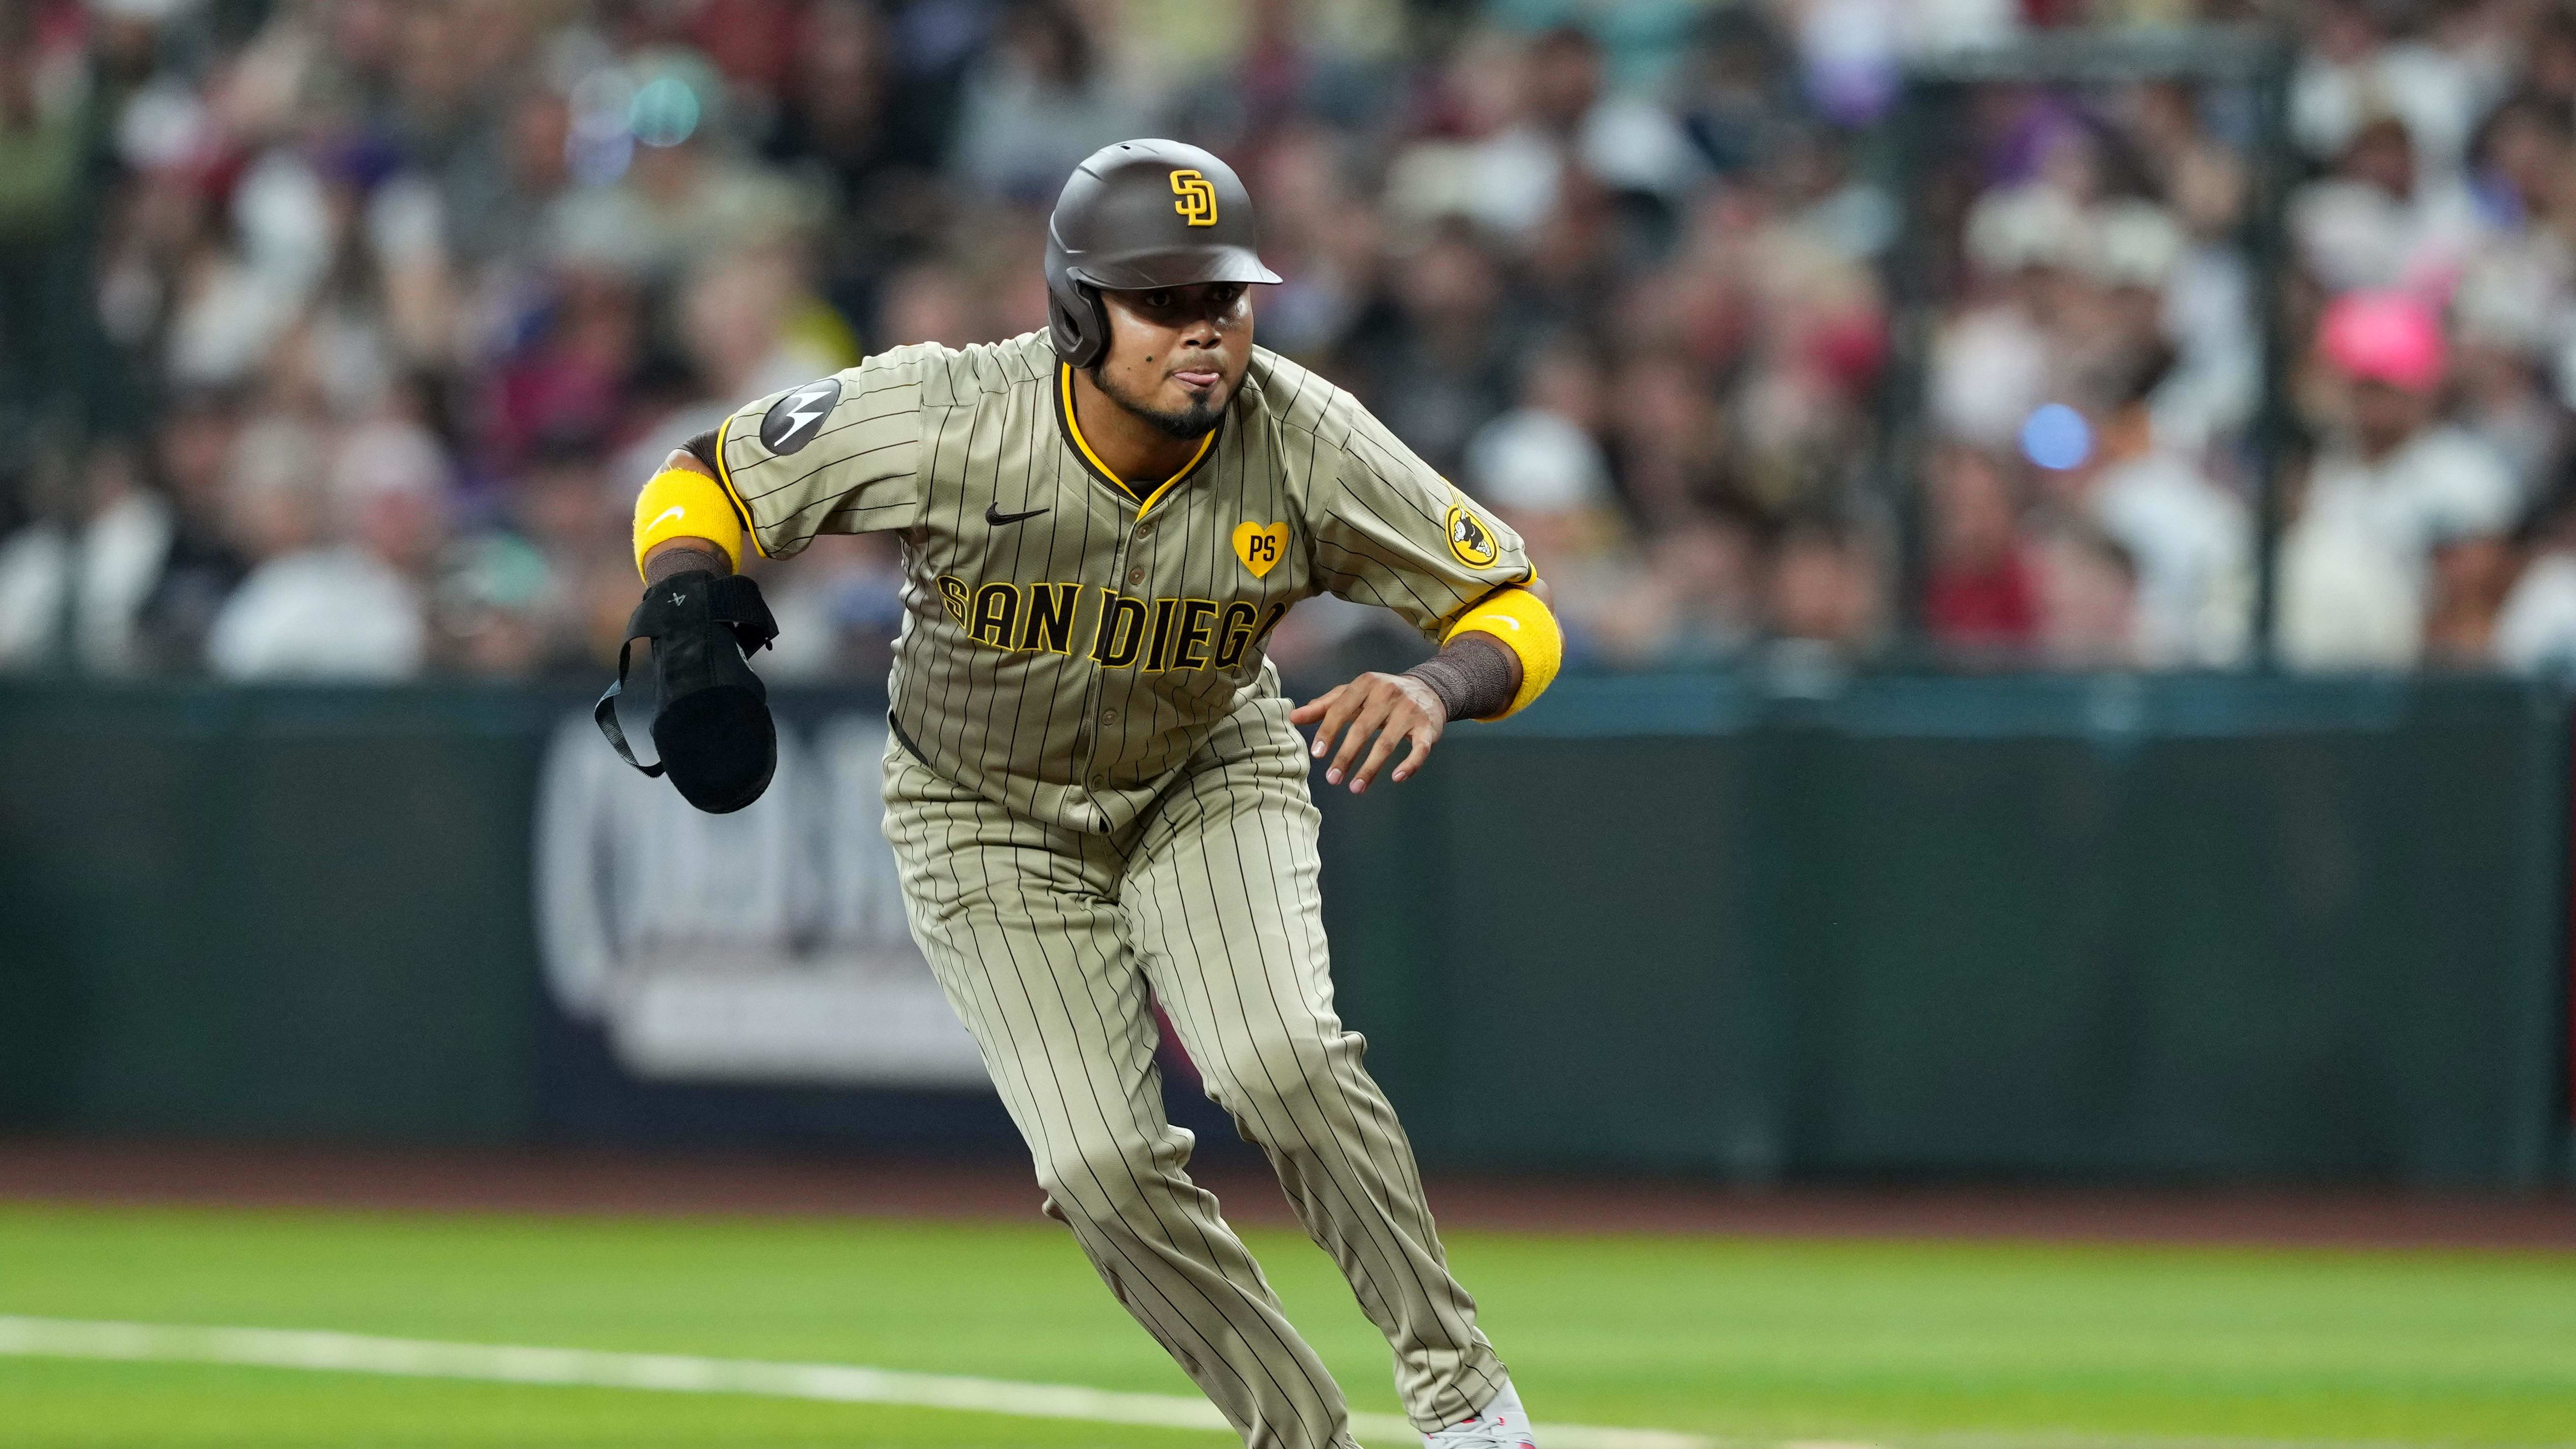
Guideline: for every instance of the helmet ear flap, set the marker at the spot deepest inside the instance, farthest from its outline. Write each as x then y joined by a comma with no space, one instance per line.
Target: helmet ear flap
1081,327
1099,330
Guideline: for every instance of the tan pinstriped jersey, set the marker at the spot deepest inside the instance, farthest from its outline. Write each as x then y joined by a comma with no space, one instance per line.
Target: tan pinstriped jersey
1070,639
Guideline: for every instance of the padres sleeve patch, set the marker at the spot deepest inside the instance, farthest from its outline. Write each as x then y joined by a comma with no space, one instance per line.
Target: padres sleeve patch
1470,539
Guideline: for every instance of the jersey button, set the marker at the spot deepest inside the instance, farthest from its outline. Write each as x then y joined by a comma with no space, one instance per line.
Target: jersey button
1097,781
1109,716
1144,530
1135,576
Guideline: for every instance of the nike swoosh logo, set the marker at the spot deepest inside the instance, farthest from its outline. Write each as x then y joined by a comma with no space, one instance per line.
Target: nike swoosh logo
1499,619
674,511
994,515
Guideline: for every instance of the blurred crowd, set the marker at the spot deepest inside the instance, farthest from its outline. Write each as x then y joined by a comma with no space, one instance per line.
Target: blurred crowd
336,335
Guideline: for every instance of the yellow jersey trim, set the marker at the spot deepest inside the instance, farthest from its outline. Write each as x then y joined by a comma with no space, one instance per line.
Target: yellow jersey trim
724,476
1073,433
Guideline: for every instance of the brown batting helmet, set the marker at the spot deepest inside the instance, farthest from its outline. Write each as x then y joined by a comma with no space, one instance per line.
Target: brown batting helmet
1139,215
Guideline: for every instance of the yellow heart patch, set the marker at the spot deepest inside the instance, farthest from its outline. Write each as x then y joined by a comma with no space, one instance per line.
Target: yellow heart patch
1261,546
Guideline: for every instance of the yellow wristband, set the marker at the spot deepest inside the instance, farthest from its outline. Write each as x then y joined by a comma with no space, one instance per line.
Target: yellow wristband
1516,619
679,503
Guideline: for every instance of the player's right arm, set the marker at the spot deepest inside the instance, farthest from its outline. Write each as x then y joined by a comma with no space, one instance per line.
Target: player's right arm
837,455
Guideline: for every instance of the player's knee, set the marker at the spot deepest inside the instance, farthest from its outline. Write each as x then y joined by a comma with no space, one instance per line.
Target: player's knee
1085,1178
1269,1070
1096,1175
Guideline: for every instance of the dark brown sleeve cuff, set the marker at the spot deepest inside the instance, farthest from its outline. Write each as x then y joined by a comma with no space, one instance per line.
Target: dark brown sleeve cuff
1472,676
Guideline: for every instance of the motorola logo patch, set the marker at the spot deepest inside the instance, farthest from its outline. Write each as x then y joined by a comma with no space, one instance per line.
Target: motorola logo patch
795,420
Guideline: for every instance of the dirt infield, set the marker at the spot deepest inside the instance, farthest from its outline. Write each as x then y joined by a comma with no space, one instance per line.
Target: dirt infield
566,1181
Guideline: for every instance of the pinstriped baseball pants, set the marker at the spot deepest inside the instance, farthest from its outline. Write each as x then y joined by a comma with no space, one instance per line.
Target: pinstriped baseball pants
1046,941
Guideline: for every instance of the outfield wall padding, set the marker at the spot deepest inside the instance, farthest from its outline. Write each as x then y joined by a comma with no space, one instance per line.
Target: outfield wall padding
2173,929
270,913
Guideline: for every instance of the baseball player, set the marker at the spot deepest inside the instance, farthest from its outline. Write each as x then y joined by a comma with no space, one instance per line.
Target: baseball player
1094,789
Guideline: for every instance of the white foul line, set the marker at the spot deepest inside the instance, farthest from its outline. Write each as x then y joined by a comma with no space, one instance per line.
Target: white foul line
676,1373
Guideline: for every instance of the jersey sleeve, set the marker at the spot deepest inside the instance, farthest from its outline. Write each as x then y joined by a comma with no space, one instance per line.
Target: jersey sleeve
841,454
1394,533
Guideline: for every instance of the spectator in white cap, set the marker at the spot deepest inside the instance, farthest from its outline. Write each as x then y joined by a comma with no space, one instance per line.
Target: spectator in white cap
1993,365
1546,476
348,607
2381,220
2135,246
2184,537
2506,320
2356,67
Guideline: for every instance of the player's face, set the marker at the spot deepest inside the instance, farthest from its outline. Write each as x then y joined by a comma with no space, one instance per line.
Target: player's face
1176,354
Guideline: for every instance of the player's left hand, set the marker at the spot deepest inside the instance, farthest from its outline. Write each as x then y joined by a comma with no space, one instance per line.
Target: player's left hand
1394,707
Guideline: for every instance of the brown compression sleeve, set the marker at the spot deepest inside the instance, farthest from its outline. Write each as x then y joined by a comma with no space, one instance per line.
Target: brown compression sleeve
665,562
1473,676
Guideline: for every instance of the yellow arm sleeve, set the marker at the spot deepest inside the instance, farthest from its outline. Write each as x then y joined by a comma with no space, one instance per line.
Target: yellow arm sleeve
679,503
1517,619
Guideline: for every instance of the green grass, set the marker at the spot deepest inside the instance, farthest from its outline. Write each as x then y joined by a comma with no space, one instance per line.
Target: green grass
1755,1340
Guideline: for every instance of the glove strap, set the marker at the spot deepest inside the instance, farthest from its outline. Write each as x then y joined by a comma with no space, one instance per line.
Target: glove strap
735,600
605,714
